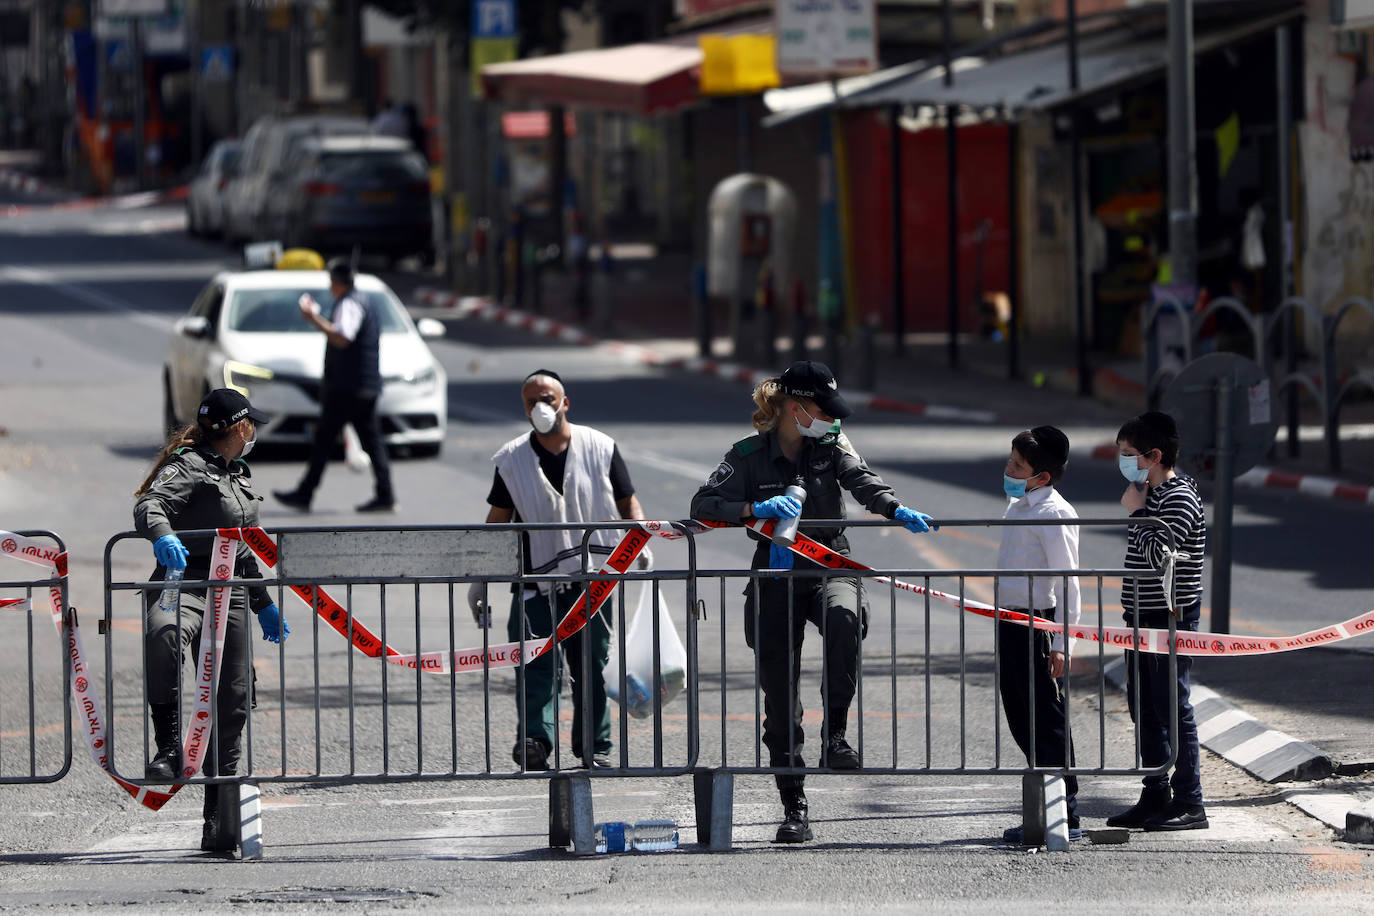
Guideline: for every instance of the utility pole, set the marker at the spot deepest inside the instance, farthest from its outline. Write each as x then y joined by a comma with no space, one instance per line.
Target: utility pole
140,91
1182,146
1085,375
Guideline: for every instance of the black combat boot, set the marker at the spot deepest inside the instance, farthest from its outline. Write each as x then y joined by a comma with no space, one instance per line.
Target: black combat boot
210,840
1154,801
795,827
166,763
838,755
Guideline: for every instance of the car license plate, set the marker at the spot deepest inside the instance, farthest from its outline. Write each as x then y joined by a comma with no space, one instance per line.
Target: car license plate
377,197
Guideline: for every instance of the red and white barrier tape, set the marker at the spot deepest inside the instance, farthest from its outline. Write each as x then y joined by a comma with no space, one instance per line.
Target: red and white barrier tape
87,698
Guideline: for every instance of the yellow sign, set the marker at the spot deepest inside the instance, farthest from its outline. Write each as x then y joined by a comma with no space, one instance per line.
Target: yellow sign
485,51
738,64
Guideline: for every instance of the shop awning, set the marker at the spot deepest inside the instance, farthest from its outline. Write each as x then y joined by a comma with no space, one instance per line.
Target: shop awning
635,79
1028,81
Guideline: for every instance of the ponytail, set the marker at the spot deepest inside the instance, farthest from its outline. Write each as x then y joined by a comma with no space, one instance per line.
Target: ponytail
185,437
770,400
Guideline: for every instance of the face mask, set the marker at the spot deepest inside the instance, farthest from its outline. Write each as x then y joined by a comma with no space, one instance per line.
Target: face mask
543,418
1014,487
817,429
248,447
1134,474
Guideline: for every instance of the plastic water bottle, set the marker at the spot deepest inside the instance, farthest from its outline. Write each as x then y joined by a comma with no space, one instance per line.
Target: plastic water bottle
614,836
638,700
171,589
785,529
655,835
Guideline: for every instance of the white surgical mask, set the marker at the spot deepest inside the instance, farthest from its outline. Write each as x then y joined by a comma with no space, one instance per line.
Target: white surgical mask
248,446
1130,470
543,418
817,428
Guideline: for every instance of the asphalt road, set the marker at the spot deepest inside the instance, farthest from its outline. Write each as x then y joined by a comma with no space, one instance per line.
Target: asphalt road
87,301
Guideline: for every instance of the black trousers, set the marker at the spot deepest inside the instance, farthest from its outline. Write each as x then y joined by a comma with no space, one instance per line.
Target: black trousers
166,647
338,409
1154,714
833,606
1026,685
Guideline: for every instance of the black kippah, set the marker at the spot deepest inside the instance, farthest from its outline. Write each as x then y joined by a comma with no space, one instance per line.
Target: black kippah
549,372
1054,445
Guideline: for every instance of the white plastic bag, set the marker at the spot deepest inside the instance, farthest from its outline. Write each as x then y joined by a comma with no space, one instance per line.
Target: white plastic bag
639,657
356,460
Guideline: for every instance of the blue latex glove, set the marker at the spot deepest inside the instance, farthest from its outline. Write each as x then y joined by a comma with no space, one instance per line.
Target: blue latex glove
779,557
916,522
274,626
170,552
778,507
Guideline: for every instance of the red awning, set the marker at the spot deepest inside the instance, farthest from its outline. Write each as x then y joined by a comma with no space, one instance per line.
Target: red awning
635,79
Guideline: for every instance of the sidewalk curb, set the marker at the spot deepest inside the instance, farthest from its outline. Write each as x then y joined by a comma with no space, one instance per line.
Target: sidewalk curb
1271,755
486,310
29,185
1260,477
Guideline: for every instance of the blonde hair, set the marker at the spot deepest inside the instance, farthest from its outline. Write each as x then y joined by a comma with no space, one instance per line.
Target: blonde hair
770,400
185,437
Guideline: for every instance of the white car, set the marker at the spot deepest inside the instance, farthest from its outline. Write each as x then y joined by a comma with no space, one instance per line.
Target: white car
245,331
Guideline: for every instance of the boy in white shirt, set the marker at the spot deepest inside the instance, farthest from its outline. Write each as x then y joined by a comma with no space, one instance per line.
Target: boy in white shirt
1030,674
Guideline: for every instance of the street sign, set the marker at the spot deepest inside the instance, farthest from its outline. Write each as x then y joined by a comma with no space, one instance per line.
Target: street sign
1191,399
819,38
133,7
494,19
217,63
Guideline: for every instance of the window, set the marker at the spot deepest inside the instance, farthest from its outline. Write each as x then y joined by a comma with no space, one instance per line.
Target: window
277,311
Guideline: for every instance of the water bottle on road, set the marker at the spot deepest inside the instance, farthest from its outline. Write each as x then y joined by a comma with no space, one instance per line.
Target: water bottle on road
171,590
613,836
655,835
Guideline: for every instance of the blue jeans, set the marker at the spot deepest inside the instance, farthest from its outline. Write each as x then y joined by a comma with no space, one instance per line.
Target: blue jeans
1152,716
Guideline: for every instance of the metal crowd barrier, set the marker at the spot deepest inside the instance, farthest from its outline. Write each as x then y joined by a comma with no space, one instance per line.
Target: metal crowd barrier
35,707
328,715
909,671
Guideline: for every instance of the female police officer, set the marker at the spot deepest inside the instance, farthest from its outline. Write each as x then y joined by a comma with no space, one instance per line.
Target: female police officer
798,436
200,480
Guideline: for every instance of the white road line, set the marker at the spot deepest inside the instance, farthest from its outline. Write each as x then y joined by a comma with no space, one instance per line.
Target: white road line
86,295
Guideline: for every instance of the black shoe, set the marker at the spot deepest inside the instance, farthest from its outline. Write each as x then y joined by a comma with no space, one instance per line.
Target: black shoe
377,505
602,761
839,755
210,840
1152,804
532,754
292,500
166,763
1179,817
796,825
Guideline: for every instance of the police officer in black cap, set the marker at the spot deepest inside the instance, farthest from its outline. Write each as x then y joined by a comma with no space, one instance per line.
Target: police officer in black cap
798,422
352,384
199,481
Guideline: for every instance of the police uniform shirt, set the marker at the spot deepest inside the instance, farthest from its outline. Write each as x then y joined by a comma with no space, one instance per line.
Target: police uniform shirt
198,489
756,469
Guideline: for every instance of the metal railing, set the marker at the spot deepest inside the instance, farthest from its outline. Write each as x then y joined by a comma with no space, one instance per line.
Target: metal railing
1273,344
330,715
910,672
35,718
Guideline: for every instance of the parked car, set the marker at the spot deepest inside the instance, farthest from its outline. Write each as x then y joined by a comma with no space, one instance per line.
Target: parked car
370,192
204,210
245,331
268,146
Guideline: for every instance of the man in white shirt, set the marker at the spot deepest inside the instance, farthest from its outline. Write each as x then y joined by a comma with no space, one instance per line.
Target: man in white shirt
1029,674
351,385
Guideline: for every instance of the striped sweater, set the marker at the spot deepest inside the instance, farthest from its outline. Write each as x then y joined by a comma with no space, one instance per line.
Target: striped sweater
1176,503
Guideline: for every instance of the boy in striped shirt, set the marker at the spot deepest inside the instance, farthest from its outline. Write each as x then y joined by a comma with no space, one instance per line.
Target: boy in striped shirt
1148,446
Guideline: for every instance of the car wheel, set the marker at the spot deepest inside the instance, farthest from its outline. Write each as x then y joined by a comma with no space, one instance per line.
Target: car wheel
169,413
